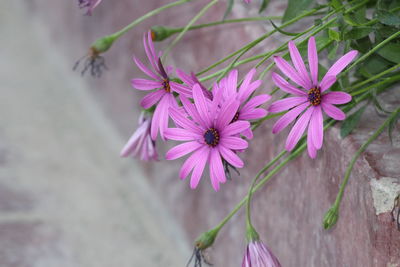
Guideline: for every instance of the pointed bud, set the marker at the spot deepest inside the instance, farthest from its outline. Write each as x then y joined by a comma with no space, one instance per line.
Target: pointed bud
103,44
331,217
206,239
160,33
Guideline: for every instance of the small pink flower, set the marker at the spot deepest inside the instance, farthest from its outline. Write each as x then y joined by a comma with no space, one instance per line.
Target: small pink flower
210,136
249,106
89,4
163,97
191,80
312,98
258,255
140,144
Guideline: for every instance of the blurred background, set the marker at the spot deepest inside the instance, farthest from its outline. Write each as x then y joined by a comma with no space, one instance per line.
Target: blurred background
68,199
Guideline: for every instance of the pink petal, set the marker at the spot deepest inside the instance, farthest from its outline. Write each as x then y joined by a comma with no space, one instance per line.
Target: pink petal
299,64
217,174
313,60
155,122
234,143
143,84
312,151
235,128
188,165
249,90
317,127
256,101
253,114
245,84
184,77
183,122
166,102
201,104
285,86
149,48
227,113
286,103
340,64
152,98
230,157
288,70
288,118
333,111
336,98
248,133
327,82
181,89
199,166
182,150
146,70
298,129
180,134
133,142
192,111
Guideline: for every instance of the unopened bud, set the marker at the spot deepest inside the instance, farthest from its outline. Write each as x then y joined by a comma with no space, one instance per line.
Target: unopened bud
160,33
103,44
331,217
206,239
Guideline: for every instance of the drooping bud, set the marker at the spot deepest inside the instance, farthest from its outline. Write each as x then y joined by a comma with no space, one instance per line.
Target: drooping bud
331,217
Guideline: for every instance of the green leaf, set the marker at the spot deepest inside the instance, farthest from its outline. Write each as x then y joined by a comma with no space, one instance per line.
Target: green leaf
374,64
296,7
391,52
351,122
333,35
336,4
263,6
332,51
358,33
388,18
282,31
228,9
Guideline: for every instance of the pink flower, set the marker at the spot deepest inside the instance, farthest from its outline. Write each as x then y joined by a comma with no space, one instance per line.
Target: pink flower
191,80
210,137
248,108
89,4
312,98
163,97
247,1
140,143
258,255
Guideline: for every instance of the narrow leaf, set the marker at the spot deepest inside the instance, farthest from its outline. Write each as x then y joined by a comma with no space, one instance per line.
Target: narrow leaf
391,52
263,6
351,122
228,9
282,31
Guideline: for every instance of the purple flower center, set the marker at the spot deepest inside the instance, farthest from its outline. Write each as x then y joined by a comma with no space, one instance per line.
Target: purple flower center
211,137
236,117
314,96
166,85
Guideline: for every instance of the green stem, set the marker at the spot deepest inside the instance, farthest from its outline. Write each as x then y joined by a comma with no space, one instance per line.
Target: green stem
370,52
191,22
357,155
385,81
124,30
270,116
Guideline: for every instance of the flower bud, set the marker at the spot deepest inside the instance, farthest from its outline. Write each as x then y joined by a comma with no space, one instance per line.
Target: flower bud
206,239
331,217
103,44
160,33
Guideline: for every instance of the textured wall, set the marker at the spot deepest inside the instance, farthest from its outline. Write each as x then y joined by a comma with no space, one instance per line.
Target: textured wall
289,210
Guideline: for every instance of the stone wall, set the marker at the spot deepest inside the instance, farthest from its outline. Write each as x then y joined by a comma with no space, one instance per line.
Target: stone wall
288,212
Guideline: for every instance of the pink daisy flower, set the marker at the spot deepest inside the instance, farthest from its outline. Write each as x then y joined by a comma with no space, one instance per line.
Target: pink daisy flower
191,80
312,98
258,255
140,144
163,96
249,106
210,137
89,4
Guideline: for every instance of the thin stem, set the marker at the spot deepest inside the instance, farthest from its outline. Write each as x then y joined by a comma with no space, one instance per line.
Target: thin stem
124,30
357,155
385,81
191,22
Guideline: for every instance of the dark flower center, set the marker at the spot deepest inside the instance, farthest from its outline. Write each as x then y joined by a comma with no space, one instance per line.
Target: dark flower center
211,137
314,96
166,85
236,117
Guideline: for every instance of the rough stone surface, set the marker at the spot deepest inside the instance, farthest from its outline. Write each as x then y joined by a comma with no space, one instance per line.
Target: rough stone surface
288,212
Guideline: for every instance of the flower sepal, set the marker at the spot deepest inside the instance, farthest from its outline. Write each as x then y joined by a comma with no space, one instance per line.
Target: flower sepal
206,239
102,44
160,33
331,217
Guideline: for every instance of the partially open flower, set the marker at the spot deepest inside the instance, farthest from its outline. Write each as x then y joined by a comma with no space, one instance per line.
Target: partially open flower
258,255
89,4
140,144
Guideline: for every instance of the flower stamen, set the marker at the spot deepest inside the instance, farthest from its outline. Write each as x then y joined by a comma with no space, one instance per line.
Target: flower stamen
166,85
211,137
236,117
314,96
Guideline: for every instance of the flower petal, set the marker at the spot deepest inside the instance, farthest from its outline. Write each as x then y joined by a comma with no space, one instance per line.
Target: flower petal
299,64
285,86
248,133
286,103
199,167
312,151
180,89
230,157
143,84
188,165
232,82
146,70
217,173
235,128
183,122
286,119
298,129
288,70
256,101
340,64
182,150
333,112
235,143
245,84
327,83
180,134
313,60
201,104
227,113
336,98
152,98
317,127
253,114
